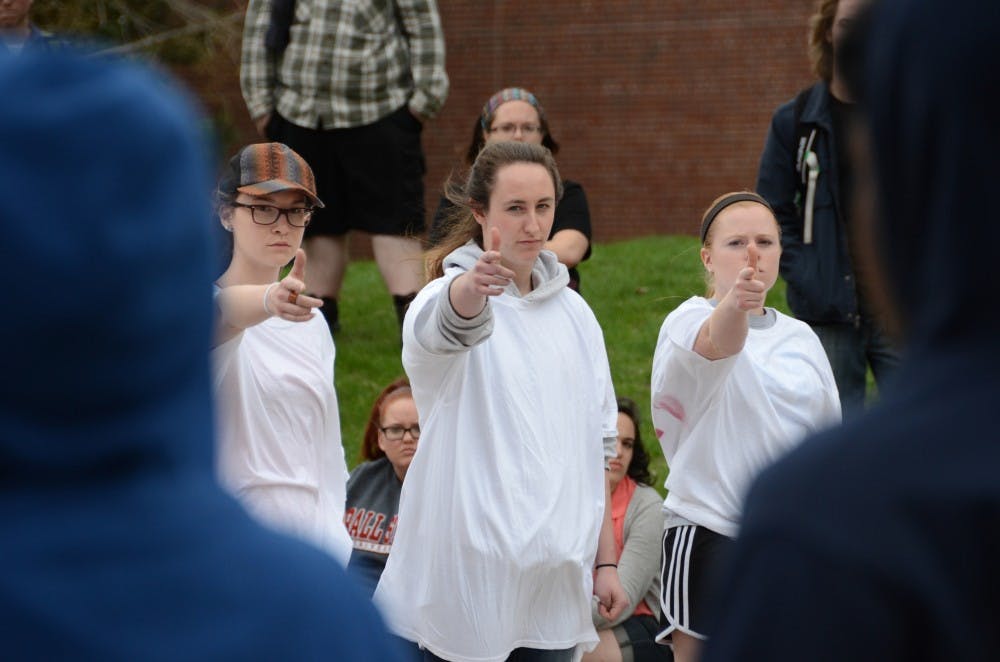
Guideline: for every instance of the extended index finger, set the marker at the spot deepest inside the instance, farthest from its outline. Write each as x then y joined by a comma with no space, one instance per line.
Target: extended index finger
752,256
491,240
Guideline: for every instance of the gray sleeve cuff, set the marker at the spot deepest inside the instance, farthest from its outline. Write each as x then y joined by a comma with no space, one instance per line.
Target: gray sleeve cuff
445,331
610,450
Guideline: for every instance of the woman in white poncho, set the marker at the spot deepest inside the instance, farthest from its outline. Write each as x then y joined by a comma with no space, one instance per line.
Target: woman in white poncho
502,518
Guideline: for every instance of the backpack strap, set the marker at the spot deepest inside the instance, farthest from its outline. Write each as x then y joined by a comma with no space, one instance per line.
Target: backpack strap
806,164
805,134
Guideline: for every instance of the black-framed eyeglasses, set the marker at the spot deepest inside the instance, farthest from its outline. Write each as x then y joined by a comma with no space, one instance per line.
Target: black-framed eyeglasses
509,129
297,217
396,432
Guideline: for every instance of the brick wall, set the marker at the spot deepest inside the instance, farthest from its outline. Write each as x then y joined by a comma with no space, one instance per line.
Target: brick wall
658,105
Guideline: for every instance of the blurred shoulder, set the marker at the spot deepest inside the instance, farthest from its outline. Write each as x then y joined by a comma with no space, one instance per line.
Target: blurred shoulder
646,495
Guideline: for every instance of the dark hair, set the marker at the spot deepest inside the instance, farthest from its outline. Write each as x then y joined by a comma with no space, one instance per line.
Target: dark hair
820,48
369,444
222,202
638,468
474,193
851,56
478,140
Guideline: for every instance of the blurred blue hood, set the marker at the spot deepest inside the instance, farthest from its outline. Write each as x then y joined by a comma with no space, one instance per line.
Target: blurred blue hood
105,217
117,543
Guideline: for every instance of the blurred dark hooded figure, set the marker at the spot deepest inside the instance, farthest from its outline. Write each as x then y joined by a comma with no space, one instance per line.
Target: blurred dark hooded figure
881,540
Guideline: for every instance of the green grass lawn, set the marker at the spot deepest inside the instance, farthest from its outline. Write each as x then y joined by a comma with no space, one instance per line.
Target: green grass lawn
631,285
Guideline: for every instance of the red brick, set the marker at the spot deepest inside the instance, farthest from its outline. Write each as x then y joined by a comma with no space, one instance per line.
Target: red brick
659,105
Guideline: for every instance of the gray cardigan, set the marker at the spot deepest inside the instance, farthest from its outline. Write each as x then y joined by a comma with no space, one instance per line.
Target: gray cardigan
639,564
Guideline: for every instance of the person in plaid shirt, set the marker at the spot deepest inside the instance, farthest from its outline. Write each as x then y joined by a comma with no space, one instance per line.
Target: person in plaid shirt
348,86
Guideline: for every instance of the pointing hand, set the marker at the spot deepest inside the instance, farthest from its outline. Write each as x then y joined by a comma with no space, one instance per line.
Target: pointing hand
748,292
489,276
285,298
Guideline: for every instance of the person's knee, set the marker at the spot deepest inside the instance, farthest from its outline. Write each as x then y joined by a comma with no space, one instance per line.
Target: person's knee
607,649
326,246
686,647
392,243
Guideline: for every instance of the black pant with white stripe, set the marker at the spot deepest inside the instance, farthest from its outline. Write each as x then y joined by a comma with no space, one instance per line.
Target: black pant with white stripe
693,558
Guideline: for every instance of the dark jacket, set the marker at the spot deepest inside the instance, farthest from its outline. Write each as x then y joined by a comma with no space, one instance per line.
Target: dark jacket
117,542
821,287
880,541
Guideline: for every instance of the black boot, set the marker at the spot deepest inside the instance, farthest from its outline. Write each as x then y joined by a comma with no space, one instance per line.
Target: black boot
332,314
402,302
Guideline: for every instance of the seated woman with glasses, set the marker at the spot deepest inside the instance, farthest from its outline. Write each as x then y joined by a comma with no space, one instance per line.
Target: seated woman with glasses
390,441
279,449
515,114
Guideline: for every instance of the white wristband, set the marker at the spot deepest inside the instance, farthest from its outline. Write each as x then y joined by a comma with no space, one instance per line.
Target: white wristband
266,292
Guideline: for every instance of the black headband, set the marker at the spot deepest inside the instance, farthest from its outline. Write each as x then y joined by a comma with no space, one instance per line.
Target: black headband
730,199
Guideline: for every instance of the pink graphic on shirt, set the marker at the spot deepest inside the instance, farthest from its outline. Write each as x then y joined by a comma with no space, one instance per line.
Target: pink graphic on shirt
659,433
672,406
